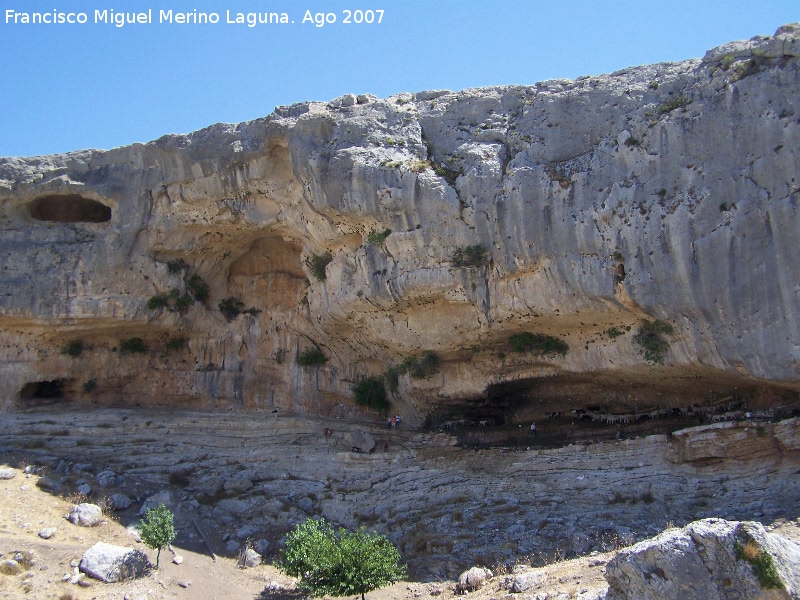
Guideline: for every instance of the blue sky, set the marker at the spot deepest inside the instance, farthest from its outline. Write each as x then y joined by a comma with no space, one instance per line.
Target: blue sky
67,87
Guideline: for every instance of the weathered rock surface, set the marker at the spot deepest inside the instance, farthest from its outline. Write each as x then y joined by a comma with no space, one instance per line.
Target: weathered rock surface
110,563
706,560
665,191
85,515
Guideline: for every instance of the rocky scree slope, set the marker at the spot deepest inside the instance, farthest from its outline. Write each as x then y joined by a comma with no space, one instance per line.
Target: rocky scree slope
369,231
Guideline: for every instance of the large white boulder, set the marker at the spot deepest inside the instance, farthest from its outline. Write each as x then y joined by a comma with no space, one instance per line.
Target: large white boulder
705,561
110,563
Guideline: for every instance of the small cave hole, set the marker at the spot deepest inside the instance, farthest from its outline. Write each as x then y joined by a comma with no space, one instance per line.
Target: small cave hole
69,209
43,390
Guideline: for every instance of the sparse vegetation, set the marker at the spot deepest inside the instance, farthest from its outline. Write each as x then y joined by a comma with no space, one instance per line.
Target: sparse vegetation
762,563
673,104
371,392
449,175
614,332
198,288
377,238
469,256
311,357
420,367
157,530
177,265
617,256
538,343
318,263
230,308
89,386
651,341
392,379
173,301
73,348
134,345
176,344
339,564
632,142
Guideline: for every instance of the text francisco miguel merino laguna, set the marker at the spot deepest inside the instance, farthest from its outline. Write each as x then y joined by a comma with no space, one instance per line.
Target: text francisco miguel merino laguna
120,19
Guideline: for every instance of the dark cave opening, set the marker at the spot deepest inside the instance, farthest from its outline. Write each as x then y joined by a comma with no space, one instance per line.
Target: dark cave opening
43,392
70,208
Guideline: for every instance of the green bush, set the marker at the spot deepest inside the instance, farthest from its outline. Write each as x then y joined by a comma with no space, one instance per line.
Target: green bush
470,256
176,344
89,386
317,263
177,265
198,288
311,357
339,564
614,332
672,104
538,343
377,238
157,530
651,342
73,348
371,392
392,379
134,345
420,367
230,308
158,302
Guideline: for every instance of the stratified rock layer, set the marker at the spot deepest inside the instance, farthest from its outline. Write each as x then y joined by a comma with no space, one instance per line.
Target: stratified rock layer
667,191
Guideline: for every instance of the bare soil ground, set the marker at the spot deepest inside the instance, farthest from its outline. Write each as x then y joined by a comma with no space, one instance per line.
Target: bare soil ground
25,509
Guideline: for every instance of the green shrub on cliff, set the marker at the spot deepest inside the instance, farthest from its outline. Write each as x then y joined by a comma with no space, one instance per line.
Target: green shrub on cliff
651,342
538,343
371,392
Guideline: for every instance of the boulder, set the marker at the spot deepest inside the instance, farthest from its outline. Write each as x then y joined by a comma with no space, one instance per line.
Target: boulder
251,558
362,440
85,515
705,561
47,533
10,567
524,582
473,579
163,497
110,563
109,479
118,501
7,473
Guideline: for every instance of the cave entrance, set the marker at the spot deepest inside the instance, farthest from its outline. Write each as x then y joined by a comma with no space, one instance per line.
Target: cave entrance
69,209
43,392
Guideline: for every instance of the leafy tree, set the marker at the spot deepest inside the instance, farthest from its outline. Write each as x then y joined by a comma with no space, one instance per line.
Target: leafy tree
198,288
651,341
420,367
318,263
339,564
371,392
157,529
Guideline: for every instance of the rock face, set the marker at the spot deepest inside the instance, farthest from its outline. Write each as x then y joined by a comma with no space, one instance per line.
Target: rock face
372,230
110,563
707,560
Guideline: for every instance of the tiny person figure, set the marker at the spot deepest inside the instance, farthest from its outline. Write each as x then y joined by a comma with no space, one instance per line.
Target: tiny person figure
397,421
388,423
394,423
533,429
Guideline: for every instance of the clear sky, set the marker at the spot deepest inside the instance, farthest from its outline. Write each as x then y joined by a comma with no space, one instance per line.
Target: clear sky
95,85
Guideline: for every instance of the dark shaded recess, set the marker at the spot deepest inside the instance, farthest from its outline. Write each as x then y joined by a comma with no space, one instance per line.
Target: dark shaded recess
43,390
69,209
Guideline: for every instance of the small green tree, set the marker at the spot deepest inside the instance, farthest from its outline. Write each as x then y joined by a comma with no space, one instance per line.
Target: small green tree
339,564
157,529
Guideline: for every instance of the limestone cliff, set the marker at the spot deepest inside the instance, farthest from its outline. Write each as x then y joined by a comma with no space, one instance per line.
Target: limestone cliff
453,220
